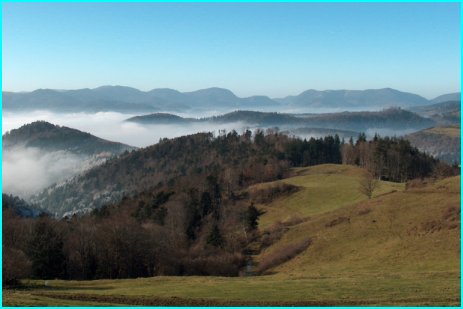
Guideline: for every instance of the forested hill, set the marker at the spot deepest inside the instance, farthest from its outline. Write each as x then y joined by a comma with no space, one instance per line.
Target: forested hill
161,118
440,142
443,113
20,207
393,118
49,137
437,108
234,160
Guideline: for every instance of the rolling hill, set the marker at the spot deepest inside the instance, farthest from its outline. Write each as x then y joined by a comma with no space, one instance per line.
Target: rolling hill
48,137
456,96
441,142
443,113
392,119
440,108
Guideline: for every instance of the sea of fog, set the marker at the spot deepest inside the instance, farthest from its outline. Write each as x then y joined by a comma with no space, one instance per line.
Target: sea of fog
28,171
111,126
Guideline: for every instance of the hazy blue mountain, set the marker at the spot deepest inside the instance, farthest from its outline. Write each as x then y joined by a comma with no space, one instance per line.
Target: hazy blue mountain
218,96
127,99
354,99
83,100
122,93
170,97
260,101
456,96
38,99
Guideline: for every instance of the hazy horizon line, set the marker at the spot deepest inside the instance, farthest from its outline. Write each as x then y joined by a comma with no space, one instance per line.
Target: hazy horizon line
223,88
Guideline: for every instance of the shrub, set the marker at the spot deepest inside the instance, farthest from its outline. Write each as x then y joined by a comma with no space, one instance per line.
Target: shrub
223,264
268,194
16,266
273,234
283,255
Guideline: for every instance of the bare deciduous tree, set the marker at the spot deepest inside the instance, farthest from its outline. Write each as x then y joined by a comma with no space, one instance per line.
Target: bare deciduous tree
368,184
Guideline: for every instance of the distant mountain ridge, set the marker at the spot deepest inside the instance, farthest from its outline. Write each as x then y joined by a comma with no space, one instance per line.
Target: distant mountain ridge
456,96
393,118
128,99
377,98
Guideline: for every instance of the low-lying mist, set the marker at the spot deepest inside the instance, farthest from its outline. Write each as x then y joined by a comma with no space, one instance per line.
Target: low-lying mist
112,126
27,171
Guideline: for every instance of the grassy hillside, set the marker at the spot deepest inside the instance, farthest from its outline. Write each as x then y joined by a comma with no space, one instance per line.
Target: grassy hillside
402,247
413,231
451,131
322,188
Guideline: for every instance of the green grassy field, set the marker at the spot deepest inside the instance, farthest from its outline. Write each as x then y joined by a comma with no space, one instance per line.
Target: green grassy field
322,188
400,248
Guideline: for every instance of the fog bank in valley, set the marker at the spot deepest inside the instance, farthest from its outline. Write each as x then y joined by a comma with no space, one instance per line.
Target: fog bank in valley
27,171
111,126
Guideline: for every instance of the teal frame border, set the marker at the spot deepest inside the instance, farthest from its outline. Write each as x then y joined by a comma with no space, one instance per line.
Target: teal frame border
238,1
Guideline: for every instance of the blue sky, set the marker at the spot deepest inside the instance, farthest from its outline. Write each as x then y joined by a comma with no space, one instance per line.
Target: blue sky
274,49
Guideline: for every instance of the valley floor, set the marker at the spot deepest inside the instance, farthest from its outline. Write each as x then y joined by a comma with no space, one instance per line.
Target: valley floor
385,289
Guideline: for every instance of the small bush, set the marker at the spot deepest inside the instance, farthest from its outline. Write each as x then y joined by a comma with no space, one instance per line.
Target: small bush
268,194
364,211
418,183
337,221
224,264
283,255
273,234
294,220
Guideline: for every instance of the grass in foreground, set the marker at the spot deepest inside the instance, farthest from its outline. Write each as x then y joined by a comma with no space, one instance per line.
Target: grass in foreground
375,289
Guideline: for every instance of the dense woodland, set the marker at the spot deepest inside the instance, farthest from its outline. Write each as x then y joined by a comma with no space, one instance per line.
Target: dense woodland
184,205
